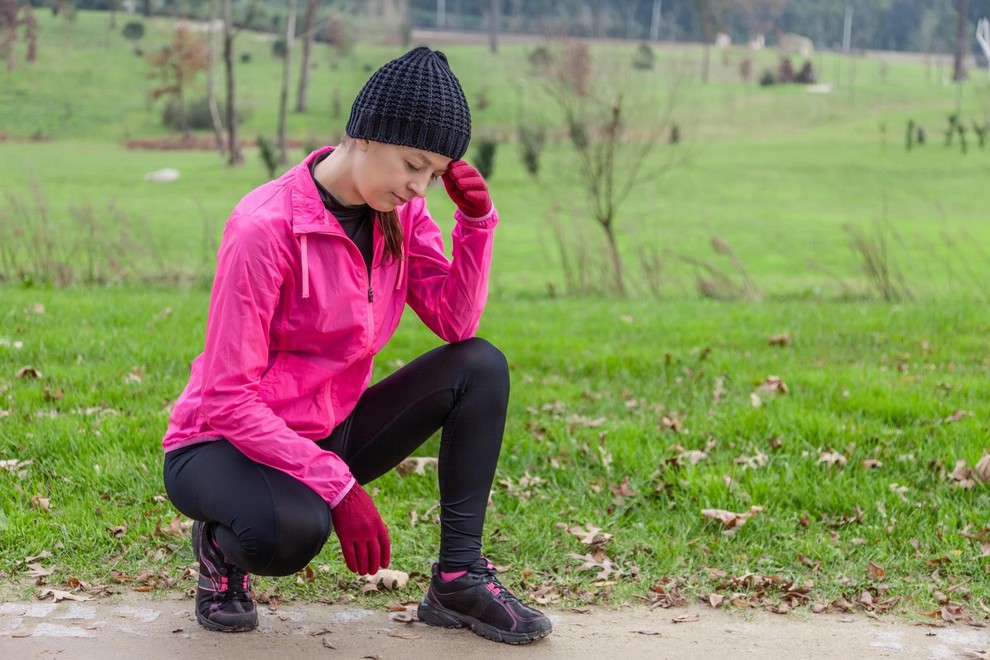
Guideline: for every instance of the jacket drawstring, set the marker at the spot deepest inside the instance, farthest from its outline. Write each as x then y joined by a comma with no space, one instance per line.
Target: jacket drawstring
305,266
402,269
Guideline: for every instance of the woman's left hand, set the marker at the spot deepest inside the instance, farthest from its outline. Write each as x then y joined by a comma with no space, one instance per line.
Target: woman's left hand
467,189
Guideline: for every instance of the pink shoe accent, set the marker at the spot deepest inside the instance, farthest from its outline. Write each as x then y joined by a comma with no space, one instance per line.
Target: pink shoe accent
447,577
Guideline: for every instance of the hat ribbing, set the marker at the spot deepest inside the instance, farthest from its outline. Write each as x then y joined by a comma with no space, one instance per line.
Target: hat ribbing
414,101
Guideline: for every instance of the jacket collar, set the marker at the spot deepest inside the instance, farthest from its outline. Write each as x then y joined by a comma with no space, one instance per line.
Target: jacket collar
309,216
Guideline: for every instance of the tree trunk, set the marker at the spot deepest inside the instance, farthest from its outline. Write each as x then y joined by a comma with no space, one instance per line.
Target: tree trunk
309,23
290,36
494,18
146,8
234,154
619,283
211,91
704,63
655,23
959,69
441,14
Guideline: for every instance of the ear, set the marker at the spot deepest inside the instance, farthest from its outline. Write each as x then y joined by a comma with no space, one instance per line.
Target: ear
363,144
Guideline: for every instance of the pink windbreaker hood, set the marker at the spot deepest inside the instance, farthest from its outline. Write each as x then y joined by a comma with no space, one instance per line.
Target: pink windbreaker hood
294,323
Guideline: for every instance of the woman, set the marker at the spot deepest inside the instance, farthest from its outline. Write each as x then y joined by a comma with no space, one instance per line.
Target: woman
270,442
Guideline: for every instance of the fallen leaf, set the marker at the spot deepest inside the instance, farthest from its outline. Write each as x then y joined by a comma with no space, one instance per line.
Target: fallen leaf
36,570
58,595
415,465
876,571
832,458
773,385
41,503
405,635
715,600
118,531
27,372
656,633
982,469
783,339
686,618
328,644
672,424
730,519
388,579
591,536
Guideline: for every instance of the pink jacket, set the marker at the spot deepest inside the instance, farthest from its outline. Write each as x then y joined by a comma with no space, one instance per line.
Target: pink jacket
294,323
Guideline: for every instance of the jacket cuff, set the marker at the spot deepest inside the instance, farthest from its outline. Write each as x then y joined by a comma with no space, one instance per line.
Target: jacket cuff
486,221
343,493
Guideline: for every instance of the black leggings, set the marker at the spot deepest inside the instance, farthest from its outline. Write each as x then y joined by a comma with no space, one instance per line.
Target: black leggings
268,523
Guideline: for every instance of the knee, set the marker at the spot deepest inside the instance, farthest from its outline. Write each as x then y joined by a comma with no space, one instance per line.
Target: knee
288,550
480,357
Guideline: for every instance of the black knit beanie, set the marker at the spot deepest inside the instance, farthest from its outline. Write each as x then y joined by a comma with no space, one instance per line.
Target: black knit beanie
414,101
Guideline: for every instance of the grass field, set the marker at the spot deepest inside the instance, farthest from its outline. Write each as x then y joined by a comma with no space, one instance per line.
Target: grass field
855,465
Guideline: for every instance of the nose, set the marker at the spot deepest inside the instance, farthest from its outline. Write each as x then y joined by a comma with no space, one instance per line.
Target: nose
419,186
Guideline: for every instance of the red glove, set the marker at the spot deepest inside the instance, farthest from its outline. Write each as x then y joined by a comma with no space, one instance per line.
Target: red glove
467,188
362,534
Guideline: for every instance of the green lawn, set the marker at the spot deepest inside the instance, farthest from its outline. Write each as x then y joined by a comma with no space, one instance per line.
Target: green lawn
855,466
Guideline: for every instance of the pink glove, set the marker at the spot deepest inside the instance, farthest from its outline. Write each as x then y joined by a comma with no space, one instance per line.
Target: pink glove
362,534
467,189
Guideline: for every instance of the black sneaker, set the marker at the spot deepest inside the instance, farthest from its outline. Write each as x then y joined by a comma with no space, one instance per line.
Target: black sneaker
477,599
223,596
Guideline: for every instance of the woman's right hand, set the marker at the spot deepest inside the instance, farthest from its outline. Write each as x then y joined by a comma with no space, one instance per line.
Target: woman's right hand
362,533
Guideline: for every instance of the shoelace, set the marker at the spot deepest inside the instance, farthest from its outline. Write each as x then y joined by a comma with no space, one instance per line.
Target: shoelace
237,583
488,576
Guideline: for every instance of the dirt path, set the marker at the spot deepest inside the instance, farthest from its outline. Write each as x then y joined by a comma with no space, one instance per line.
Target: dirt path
138,626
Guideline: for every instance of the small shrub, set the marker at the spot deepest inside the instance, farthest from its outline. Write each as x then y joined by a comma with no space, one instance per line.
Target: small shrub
133,31
268,153
767,78
746,69
785,71
540,57
981,131
531,141
197,114
806,76
484,159
644,58
278,48
909,137
245,58
675,134
482,102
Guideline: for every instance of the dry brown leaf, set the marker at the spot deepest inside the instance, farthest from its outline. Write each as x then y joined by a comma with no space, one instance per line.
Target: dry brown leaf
783,339
27,372
686,618
58,595
118,531
405,635
876,572
832,458
328,644
41,503
656,633
715,600
672,424
730,519
590,536
387,579
415,465
773,385
982,469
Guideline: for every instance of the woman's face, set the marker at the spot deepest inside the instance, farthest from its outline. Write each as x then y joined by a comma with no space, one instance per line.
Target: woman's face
387,175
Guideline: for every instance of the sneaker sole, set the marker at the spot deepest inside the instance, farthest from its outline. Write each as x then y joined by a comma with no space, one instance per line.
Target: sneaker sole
436,615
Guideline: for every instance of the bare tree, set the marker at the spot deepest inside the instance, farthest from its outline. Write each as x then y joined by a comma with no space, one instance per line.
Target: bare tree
610,159
959,68
211,91
290,36
709,15
309,28
494,16
235,155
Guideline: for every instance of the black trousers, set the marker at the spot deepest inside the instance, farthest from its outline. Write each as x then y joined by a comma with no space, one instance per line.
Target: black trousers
268,523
